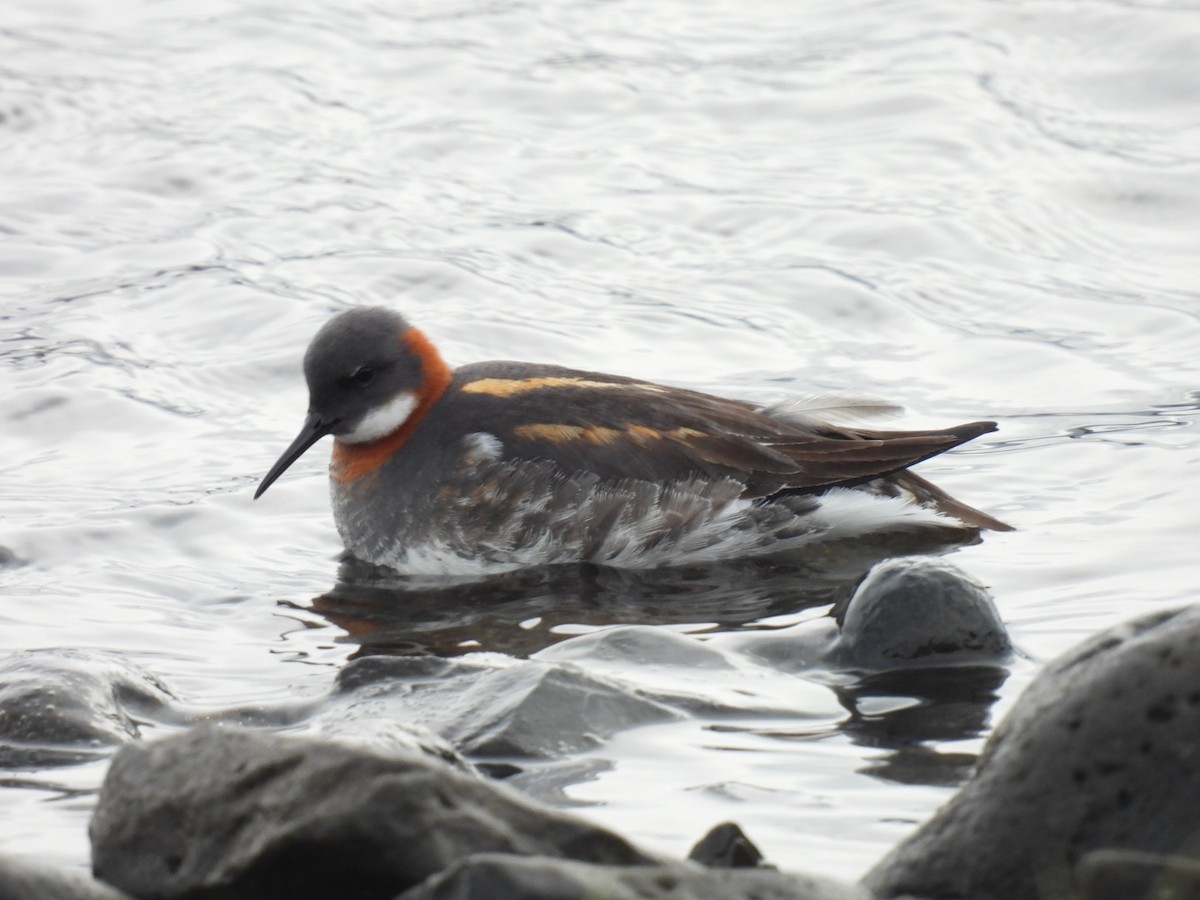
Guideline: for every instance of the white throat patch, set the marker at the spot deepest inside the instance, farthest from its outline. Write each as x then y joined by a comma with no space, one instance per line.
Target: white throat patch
382,420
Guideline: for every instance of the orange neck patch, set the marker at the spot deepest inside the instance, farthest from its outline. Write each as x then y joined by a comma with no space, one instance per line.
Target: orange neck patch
352,461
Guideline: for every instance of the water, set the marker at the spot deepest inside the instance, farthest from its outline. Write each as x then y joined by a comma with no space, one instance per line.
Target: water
978,209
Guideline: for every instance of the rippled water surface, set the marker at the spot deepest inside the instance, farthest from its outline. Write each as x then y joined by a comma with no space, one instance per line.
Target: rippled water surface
979,209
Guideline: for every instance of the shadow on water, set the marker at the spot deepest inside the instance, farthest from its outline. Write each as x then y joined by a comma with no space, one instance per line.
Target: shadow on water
520,613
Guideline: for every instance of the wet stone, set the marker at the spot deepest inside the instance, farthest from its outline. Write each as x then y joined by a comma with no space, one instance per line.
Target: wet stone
502,877
918,611
386,737
64,706
638,646
231,814
551,782
1100,753
521,708
540,710
905,613
700,678
726,847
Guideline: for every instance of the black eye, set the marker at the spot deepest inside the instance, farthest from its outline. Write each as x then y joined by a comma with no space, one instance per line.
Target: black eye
362,376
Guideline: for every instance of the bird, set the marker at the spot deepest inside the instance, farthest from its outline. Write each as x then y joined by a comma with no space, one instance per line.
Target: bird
497,466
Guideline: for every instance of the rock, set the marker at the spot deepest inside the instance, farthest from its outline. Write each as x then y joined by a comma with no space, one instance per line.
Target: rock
919,611
726,847
687,675
65,706
383,735
495,707
494,876
551,782
230,814
1101,752
639,646
906,613
543,710
1129,874
24,879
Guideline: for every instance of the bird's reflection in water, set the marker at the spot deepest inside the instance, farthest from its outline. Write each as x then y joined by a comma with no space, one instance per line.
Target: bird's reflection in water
521,612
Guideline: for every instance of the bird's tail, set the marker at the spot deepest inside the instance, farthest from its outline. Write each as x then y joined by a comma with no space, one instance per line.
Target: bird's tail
930,494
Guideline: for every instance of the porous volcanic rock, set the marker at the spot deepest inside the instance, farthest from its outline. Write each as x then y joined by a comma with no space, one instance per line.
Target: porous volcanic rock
1101,752
64,706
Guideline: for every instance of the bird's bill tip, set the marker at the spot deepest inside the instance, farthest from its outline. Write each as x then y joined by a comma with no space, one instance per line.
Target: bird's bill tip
313,430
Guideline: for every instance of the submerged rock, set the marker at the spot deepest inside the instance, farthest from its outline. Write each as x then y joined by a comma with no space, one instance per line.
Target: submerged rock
691,676
230,814
1101,752
639,646
495,707
494,876
64,706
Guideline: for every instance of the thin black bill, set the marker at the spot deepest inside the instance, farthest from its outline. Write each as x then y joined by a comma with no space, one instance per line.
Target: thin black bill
313,430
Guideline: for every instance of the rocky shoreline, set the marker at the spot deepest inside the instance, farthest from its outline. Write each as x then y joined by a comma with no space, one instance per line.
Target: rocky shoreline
1087,789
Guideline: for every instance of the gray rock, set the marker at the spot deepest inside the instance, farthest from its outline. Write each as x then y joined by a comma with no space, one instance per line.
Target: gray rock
550,782
676,670
639,646
388,737
543,710
906,613
1101,752
726,847
26,879
489,708
1133,875
230,814
494,876
64,706
919,611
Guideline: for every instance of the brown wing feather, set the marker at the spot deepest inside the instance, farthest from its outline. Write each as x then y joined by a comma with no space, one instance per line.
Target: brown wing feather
622,428
851,457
